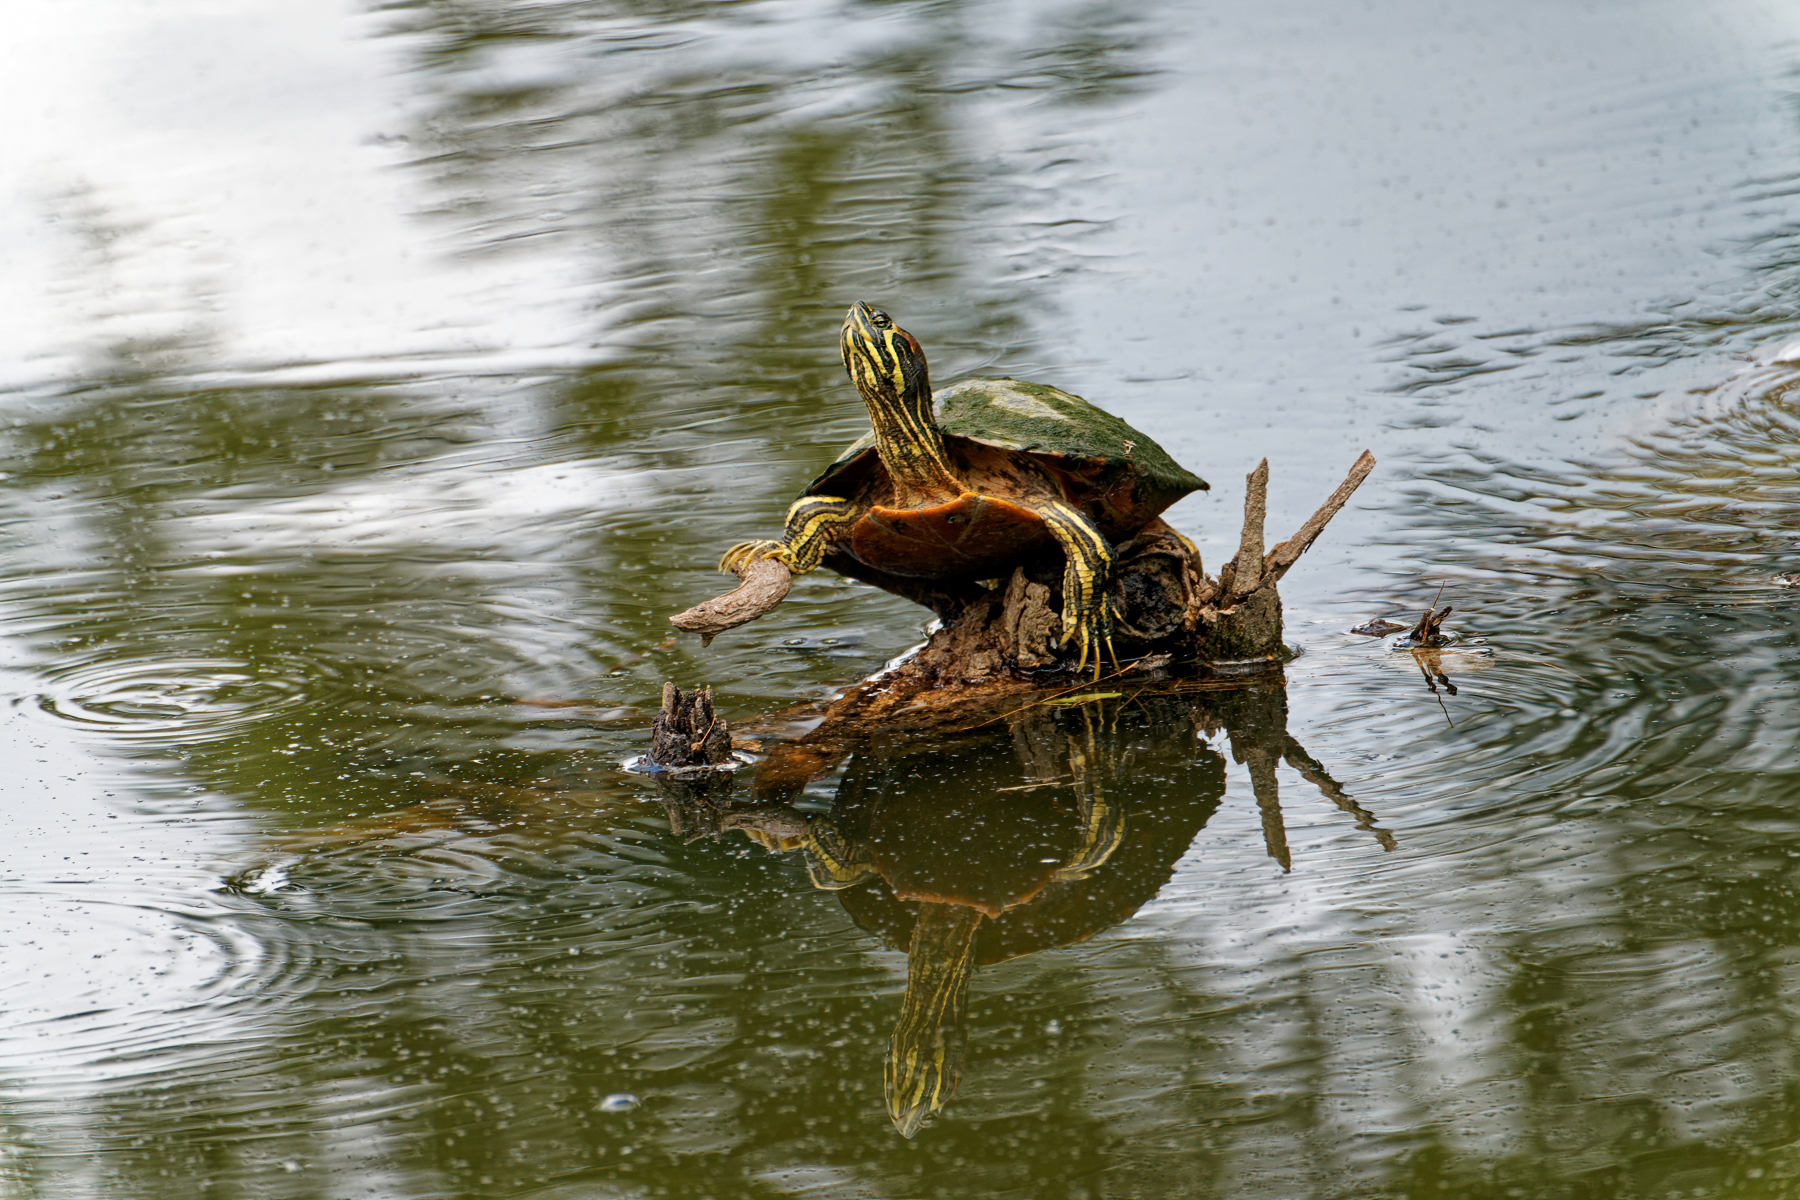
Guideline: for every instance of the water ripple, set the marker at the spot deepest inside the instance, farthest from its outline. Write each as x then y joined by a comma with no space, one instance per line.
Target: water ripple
169,701
93,986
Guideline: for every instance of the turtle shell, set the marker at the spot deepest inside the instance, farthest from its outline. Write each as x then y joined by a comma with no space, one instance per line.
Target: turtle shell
1049,424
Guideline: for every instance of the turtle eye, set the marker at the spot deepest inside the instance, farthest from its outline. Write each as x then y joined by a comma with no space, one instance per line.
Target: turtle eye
882,320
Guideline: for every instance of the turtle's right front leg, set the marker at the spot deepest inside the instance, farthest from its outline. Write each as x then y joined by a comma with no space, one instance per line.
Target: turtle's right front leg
813,524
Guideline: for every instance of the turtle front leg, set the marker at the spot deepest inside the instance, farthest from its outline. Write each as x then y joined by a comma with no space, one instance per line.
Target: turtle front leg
833,861
813,523
1087,582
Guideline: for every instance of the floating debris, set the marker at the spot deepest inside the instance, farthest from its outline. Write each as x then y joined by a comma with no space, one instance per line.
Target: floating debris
1378,627
1427,634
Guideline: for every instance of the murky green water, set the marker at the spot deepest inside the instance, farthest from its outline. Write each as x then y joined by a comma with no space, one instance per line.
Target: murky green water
374,379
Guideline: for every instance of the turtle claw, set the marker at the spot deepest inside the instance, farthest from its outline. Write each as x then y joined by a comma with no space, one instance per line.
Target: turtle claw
1091,631
744,553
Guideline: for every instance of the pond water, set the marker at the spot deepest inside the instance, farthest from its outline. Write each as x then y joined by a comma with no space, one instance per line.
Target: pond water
376,379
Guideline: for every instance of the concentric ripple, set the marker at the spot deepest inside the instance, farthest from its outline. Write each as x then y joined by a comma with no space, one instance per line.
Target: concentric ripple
182,701
96,985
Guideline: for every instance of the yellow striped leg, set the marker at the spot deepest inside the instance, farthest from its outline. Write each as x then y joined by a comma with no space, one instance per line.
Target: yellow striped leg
832,860
1102,821
1087,582
813,523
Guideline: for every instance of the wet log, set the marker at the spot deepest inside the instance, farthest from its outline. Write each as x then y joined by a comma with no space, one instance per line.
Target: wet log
687,733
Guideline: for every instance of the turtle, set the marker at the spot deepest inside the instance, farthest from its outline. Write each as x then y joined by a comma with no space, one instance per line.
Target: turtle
958,871
975,480
966,864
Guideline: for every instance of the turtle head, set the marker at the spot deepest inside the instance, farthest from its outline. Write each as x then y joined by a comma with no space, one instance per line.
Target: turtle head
888,368
925,1056
883,360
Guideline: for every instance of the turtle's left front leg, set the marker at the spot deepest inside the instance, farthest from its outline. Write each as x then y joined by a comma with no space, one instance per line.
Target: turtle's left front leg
813,523
1087,581
833,861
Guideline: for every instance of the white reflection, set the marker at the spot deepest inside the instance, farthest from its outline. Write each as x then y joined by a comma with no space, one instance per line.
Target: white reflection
523,509
179,169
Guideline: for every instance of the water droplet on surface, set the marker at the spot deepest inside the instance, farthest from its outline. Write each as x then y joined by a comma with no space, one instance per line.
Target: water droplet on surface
619,1102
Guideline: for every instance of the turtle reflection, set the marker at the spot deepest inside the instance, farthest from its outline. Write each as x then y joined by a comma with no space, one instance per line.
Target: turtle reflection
970,851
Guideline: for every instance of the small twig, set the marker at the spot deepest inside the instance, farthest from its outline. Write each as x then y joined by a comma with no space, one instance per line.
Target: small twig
1040,701
1027,787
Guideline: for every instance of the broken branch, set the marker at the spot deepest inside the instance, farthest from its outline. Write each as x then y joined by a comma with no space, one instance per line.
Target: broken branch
1285,554
765,584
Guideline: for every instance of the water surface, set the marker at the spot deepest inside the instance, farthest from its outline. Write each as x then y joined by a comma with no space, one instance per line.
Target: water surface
378,378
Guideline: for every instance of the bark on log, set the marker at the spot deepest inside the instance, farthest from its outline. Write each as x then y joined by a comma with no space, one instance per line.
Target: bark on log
687,733
765,584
